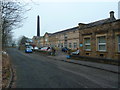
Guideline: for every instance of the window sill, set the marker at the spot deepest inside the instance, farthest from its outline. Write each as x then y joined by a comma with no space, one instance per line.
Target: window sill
117,52
87,50
102,51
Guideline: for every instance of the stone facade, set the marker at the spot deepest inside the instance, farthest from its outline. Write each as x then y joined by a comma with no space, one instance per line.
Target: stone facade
99,39
41,42
59,39
36,40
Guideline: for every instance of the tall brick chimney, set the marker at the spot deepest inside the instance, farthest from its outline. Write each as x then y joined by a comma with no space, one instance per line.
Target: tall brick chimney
38,26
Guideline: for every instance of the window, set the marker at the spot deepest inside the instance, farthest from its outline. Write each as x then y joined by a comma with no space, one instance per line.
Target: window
118,43
102,43
70,45
73,31
65,44
75,45
38,41
87,45
65,36
58,45
61,44
46,39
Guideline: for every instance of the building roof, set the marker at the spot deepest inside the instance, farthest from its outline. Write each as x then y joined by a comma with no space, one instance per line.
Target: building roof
96,23
48,33
100,22
67,30
36,37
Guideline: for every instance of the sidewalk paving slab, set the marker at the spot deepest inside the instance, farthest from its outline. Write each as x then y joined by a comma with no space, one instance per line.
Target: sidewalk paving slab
107,67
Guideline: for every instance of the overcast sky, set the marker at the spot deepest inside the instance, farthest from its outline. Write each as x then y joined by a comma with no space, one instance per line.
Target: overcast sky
57,16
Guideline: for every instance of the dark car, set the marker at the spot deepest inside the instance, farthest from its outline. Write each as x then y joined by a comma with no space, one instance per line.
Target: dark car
65,49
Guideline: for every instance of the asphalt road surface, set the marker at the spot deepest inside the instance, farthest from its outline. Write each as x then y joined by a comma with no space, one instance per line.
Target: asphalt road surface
38,71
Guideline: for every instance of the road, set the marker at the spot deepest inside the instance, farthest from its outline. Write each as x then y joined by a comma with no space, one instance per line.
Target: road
38,71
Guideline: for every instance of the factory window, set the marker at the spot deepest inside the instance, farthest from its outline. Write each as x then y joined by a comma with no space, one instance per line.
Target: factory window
65,44
101,43
75,45
87,45
61,44
119,43
65,36
58,45
70,45
73,31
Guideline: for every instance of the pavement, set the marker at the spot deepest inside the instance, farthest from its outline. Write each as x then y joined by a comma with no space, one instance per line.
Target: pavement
107,67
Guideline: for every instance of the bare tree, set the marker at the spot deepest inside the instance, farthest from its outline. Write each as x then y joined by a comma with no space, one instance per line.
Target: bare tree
12,15
22,40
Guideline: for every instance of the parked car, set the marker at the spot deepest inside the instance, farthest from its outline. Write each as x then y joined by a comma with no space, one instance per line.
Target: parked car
35,48
28,50
45,49
31,47
75,53
65,49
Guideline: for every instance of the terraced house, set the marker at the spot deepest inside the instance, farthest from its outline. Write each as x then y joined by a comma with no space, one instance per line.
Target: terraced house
97,39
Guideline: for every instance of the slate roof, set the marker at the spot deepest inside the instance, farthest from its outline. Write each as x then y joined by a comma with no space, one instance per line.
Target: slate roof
67,30
100,22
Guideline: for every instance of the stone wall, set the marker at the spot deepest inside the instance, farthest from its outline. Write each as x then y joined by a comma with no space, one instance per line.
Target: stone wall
110,31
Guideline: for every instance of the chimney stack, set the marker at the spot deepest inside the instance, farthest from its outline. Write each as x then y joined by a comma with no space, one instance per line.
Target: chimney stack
38,26
112,15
